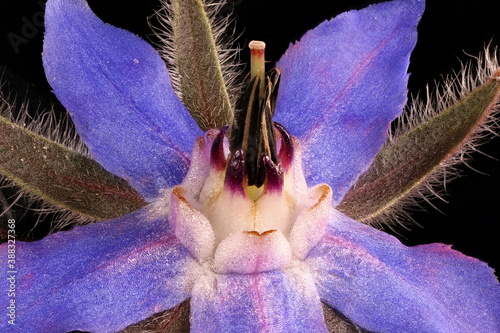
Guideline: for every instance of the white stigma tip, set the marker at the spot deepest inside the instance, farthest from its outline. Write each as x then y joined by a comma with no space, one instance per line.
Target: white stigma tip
257,45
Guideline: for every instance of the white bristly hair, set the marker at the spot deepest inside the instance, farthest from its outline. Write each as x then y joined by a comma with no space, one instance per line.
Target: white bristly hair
223,31
46,123
420,109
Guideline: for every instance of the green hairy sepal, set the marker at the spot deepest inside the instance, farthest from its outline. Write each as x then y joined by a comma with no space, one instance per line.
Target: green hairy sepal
429,141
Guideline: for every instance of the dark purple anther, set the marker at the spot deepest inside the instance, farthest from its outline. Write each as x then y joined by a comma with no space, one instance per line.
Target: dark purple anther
217,159
286,151
274,175
235,172
255,165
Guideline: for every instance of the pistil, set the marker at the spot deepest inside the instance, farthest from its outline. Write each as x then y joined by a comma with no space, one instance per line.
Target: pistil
258,63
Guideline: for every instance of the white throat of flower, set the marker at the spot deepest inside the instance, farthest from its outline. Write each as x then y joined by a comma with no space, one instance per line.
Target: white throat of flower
244,206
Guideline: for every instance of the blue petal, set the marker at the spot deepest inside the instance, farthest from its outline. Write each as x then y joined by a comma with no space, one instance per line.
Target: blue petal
98,278
343,84
118,92
384,286
266,302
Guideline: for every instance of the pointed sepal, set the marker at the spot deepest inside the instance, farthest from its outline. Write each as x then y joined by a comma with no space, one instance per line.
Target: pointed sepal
405,166
61,176
199,70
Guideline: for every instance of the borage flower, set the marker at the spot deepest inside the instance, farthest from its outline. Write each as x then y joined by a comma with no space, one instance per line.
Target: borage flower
244,226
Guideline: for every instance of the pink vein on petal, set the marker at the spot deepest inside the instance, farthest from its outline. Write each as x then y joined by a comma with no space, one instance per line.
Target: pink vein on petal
321,122
151,124
136,253
256,278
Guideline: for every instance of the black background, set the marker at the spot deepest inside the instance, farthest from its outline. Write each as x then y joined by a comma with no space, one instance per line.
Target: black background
449,30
